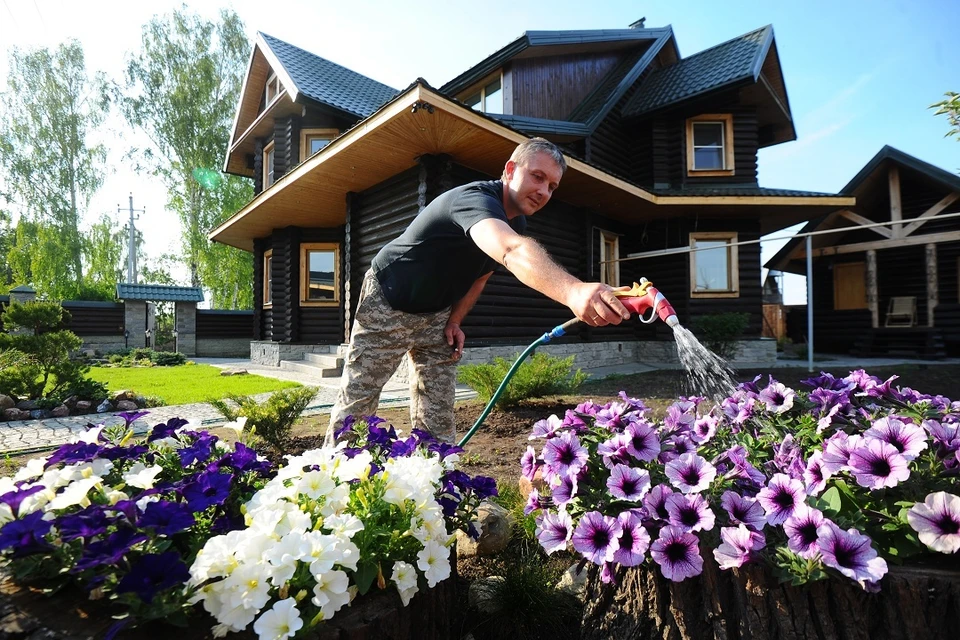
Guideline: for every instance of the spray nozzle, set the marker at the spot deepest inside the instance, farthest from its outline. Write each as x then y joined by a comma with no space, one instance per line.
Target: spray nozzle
645,296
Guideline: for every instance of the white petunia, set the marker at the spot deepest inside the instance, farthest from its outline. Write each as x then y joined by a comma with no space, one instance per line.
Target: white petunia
141,476
404,575
89,436
279,623
237,425
345,525
75,494
33,469
247,587
330,593
434,561
315,484
284,556
348,469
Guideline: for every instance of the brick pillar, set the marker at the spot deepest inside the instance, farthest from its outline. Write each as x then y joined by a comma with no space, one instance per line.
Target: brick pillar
135,323
23,294
185,314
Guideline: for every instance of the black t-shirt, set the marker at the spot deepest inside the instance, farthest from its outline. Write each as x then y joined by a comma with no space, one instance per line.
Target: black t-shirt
434,261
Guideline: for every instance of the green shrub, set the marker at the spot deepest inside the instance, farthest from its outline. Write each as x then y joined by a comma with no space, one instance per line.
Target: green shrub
782,342
541,375
146,357
167,358
34,330
87,389
271,420
720,332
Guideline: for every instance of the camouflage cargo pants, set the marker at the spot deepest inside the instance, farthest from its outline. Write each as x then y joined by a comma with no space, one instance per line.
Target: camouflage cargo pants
380,338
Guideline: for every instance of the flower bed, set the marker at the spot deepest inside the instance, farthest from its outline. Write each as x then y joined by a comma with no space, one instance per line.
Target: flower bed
183,518
841,481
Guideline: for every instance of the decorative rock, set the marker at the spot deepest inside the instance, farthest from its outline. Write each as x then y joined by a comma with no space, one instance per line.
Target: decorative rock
60,412
126,394
104,407
71,402
15,414
233,372
27,405
40,414
482,594
127,405
6,402
573,582
495,524
83,406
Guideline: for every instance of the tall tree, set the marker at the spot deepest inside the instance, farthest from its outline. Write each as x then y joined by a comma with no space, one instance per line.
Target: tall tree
50,167
7,235
103,252
950,107
182,89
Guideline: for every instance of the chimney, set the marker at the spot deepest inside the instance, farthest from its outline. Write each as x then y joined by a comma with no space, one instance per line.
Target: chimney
639,23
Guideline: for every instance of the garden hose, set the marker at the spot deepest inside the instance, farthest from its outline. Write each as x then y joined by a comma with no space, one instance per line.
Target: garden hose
556,332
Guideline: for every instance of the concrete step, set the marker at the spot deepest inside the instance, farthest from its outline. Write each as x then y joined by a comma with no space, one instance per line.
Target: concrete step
328,360
310,369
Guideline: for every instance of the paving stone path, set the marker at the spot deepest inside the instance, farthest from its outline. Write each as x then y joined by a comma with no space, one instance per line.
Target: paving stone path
25,436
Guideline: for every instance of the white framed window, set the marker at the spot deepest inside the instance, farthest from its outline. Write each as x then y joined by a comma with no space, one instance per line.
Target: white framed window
273,89
268,278
269,158
488,98
710,145
319,274
609,258
714,270
313,140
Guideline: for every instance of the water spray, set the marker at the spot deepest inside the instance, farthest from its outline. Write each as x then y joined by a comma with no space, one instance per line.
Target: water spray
642,297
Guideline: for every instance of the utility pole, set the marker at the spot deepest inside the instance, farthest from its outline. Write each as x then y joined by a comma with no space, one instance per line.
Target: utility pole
132,244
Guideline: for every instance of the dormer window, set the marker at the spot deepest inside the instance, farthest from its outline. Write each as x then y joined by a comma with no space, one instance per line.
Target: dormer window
273,88
312,140
710,145
488,99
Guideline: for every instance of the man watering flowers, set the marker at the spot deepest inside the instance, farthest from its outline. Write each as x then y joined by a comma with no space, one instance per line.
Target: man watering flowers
423,284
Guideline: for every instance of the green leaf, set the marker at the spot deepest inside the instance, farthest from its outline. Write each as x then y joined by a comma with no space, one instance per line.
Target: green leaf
831,498
366,574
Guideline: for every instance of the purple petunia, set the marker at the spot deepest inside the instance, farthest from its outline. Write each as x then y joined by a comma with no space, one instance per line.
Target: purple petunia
836,451
780,497
738,546
109,551
628,483
615,450
690,473
743,510
655,502
876,464
563,489
801,529
777,397
26,535
529,463
741,467
564,455
850,553
554,530
85,523
633,542
909,439
15,498
597,537
167,518
814,475
546,428
153,573
611,416
937,521
644,442
207,489
690,512
678,554
679,417
635,404
704,429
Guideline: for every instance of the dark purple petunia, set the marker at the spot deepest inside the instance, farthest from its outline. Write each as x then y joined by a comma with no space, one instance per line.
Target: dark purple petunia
199,451
635,404
850,553
801,529
227,522
633,542
690,512
167,518
443,449
597,537
208,489
743,510
15,498
564,455
381,436
129,417
109,551
678,554
128,508
153,573
781,497
86,523
167,429
403,448
73,453
484,487
347,425
457,478
26,535
448,505
644,441
244,459
876,464
751,387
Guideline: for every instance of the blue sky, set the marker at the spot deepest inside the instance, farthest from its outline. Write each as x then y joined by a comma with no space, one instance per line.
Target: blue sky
859,74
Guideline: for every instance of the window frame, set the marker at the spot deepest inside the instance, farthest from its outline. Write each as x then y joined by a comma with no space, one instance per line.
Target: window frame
726,119
481,89
267,292
269,150
307,134
272,81
605,266
305,249
733,267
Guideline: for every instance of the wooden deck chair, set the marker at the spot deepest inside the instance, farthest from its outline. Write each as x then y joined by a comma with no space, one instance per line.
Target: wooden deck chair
902,312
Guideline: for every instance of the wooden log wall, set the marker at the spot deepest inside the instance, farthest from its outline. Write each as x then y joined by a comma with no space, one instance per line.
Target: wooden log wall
94,318
320,325
612,146
285,279
551,87
260,246
217,323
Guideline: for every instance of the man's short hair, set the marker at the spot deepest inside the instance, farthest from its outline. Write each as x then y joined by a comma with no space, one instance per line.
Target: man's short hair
528,148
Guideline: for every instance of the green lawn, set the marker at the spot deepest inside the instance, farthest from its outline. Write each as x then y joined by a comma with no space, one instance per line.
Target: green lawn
184,384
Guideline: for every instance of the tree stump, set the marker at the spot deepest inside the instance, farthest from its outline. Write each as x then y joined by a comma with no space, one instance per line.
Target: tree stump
915,603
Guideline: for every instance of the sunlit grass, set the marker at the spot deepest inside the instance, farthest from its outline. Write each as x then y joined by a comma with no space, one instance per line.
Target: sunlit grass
185,384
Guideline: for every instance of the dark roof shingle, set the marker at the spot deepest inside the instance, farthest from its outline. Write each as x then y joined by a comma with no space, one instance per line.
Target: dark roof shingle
727,63
158,292
329,83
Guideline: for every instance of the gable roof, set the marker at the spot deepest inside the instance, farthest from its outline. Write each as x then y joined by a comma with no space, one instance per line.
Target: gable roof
879,162
323,81
735,61
158,292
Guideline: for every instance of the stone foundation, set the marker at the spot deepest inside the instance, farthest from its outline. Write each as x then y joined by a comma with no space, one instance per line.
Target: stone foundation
102,344
270,353
223,347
